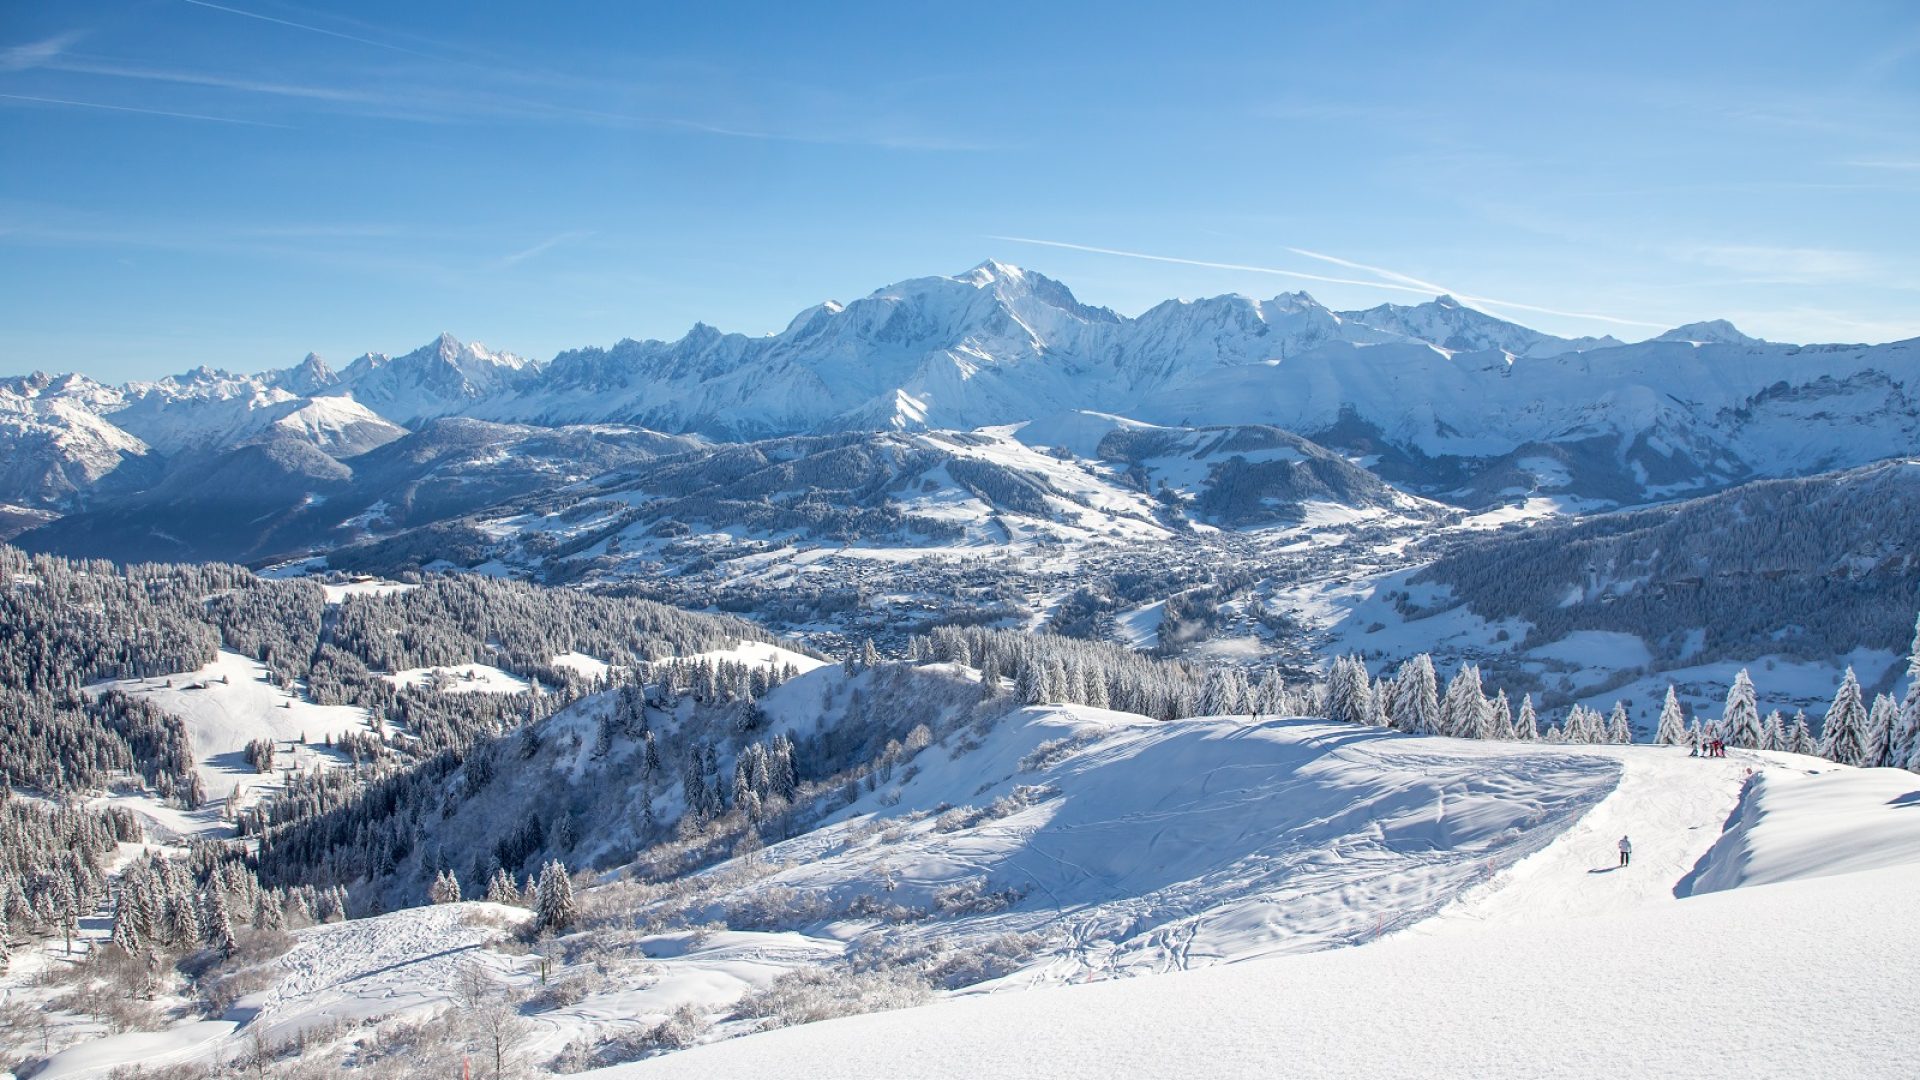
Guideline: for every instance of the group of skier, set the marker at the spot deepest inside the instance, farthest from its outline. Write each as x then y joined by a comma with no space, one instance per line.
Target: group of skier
1708,746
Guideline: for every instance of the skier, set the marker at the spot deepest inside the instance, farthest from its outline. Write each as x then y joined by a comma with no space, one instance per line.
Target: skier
1626,851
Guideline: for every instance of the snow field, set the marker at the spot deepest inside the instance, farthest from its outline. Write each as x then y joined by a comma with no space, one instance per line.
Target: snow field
232,702
461,679
1746,985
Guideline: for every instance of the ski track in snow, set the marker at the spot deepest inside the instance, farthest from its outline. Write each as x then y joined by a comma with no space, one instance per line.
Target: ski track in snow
1670,805
1160,849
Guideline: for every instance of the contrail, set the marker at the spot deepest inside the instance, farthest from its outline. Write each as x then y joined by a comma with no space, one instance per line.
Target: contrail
143,112
1398,282
309,29
1298,274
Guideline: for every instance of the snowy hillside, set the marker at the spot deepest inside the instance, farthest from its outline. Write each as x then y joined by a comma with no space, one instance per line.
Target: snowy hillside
1321,872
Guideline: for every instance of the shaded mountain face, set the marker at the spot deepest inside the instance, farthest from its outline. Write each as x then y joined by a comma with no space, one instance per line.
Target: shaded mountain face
1248,477
951,492
1437,398
1807,567
280,495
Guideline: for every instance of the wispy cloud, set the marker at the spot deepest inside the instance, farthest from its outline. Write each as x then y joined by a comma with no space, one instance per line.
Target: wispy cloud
545,246
420,97
1796,265
1396,282
1298,275
311,29
35,53
143,112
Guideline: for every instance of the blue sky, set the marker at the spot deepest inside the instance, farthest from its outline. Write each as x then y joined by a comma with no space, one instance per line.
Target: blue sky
236,183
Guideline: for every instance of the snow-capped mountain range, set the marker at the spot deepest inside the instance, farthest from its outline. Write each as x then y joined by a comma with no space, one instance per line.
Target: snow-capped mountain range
1438,397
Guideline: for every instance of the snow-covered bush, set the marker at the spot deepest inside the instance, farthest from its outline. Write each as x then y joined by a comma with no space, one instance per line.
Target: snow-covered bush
811,994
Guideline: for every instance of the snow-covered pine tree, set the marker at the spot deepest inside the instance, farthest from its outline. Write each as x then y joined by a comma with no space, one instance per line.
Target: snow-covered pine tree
1799,735
267,911
1619,727
1843,735
1029,686
1881,720
1378,714
6,943
216,925
1774,731
446,888
1416,697
1461,710
1904,743
1740,723
126,923
501,889
553,904
1526,727
1349,696
1502,715
1673,725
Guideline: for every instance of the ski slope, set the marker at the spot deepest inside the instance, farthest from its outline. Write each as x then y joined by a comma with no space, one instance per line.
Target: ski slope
1561,965
1745,985
1289,897
233,701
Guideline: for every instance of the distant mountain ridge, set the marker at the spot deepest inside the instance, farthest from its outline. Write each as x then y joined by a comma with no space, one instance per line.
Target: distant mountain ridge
1437,397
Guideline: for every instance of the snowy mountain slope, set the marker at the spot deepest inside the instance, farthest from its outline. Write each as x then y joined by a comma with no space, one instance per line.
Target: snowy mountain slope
53,444
925,492
1460,404
1136,846
1794,824
1249,476
1594,998
1810,568
234,701
1453,326
1083,844
442,378
282,493
339,427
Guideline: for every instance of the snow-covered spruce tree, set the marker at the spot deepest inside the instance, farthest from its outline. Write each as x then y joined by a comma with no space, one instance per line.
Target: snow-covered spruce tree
1904,743
6,944
1800,738
1526,727
1843,735
553,904
446,888
127,931
216,925
1349,696
1774,731
1502,714
501,889
1740,722
1460,709
1379,713
1881,720
1672,730
1619,727
268,913
1416,697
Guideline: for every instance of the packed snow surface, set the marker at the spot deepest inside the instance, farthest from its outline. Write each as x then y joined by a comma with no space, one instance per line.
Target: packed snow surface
1496,933
1744,985
232,702
460,679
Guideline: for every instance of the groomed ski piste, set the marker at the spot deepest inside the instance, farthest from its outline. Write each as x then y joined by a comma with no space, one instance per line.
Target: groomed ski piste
1229,897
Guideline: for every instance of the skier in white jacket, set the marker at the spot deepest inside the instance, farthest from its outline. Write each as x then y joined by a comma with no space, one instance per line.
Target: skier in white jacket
1626,851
